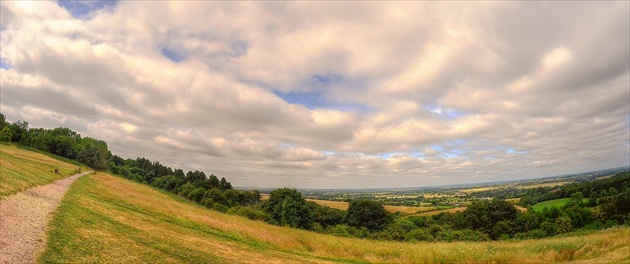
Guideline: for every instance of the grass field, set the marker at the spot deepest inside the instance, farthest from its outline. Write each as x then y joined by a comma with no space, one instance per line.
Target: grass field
106,219
21,169
549,184
390,208
557,203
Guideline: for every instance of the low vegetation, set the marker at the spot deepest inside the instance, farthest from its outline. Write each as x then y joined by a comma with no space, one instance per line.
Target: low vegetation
110,219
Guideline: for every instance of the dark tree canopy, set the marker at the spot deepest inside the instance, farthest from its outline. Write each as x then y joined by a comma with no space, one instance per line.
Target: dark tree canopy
369,214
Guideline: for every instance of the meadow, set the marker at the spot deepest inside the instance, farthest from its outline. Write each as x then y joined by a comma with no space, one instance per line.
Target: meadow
104,218
551,203
22,169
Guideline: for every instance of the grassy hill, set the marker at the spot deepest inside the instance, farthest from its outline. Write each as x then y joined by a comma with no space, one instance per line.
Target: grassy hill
104,218
21,169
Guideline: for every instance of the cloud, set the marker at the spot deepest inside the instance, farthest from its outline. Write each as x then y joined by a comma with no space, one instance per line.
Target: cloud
334,94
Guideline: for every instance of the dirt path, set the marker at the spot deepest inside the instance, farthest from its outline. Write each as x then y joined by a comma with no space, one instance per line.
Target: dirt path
23,219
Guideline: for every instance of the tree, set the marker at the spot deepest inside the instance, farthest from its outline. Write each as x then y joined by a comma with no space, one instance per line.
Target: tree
93,153
18,129
197,194
225,185
216,195
369,214
327,216
6,134
3,121
286,207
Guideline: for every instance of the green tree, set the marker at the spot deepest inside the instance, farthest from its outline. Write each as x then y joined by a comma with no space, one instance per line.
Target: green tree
93,153
6,134
18,129
3,121
286,207
197,194
327,216
369,214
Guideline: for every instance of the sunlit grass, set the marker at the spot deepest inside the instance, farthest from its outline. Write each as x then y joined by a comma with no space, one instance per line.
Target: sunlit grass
551,203
22,169
109,219
390,208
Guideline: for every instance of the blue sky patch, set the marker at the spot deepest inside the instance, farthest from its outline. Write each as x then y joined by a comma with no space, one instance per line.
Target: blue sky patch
512,151
81,9
315,94
310,99
4,64
444,112
172,55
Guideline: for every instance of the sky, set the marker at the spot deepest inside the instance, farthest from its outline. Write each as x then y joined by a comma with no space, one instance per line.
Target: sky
330,94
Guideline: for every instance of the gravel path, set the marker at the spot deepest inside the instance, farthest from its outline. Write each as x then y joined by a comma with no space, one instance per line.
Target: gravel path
23,219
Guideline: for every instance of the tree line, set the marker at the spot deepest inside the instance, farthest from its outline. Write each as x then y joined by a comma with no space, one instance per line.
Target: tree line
209,191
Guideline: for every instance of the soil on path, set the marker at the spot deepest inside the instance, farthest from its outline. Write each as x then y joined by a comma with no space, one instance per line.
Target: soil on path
23,219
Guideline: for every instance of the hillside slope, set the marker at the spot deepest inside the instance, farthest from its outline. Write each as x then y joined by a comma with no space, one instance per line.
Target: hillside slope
109,219
21,169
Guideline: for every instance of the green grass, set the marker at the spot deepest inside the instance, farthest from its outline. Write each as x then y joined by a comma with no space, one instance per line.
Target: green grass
551,203
107,219
21,169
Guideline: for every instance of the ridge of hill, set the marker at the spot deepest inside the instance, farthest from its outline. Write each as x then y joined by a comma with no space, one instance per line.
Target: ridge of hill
104,218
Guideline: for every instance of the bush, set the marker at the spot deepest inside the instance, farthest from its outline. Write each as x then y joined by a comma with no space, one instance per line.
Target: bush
248,212
420,234
339,230
219,207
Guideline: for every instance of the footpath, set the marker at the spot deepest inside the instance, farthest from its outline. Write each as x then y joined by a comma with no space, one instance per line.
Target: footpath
24,216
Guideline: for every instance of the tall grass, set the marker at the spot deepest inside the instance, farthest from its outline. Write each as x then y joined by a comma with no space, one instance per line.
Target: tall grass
21,169
109,219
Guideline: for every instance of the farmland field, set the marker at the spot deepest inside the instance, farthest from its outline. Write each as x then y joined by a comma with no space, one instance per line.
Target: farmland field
390,208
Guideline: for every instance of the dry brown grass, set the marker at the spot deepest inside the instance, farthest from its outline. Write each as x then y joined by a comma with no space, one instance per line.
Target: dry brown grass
549,184
434,212
390,208
331,204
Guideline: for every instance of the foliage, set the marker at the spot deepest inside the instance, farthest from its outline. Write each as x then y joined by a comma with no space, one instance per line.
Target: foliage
368,214
286,207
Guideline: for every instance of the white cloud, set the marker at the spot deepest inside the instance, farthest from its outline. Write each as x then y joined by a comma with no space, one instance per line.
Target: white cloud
436,93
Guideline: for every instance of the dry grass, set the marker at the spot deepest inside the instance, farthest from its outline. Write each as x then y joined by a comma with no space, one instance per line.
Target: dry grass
331,204
128,222
390,208
549,184
22,169
480,189
452,210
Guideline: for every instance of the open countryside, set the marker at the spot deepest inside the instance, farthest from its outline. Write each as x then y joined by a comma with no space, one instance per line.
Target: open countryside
430,132
137,223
